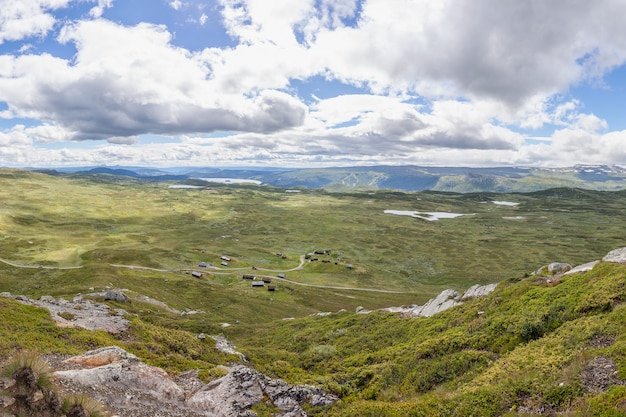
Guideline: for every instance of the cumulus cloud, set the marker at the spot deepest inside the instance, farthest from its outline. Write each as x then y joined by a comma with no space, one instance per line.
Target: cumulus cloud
449,79
126,81
97,11
509,51
25,18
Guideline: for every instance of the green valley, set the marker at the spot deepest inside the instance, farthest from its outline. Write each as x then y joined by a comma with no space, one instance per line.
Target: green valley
531,345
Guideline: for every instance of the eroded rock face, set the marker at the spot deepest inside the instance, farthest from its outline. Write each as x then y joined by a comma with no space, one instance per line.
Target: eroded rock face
132,389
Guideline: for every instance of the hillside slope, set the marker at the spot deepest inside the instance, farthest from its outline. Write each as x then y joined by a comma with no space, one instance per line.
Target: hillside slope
552,345
544,344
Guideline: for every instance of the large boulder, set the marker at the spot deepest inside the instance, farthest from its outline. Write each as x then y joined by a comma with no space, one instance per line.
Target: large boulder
116,295
616,255
582,268
554,268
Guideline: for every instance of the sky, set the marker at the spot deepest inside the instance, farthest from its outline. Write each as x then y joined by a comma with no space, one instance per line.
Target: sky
312,83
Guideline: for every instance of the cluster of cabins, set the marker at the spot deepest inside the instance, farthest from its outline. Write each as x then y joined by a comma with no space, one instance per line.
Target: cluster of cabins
260,282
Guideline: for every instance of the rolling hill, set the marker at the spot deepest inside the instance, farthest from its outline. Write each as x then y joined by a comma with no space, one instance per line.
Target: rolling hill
402,178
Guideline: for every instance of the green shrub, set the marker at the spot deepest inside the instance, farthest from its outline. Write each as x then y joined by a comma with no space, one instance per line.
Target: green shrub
610,404
67,315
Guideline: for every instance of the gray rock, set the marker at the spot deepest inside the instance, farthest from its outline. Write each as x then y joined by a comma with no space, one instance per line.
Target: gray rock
478,291
47,299
582,268
555,267
447,299
115,376
85,314
116,295
236,392
114,366
616,255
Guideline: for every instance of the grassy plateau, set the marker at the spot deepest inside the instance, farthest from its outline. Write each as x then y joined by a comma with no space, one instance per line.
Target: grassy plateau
528,346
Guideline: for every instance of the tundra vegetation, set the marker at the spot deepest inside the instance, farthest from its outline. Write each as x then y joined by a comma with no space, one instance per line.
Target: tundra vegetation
531,346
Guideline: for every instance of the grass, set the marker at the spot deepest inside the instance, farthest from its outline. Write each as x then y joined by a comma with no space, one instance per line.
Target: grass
525,350
79,404
478,364
104,220
29,360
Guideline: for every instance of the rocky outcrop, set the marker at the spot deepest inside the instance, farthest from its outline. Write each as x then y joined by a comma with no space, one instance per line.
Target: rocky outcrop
132,388
113,366
445,300
115,295
79,313
242,387
224,345
616,255
582,268
478,291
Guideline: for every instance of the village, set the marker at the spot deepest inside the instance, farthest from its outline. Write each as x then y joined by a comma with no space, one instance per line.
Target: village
261,280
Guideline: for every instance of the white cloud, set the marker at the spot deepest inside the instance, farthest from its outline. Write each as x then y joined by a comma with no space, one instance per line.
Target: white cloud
479,70
24,18
15,137
125,81
508,51
176,4
97,11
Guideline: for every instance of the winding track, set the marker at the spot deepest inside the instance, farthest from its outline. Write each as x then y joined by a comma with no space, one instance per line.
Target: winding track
38,266
221,271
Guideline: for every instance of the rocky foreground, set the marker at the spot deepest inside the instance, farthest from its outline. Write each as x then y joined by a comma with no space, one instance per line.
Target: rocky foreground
131,388
127,387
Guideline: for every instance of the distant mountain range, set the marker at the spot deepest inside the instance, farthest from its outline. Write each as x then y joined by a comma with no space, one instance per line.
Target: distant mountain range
401,178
